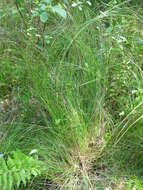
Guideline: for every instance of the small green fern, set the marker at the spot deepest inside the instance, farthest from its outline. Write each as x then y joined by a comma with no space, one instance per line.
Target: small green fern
16,169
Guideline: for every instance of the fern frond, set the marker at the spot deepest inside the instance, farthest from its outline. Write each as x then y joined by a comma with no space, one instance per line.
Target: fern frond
16,169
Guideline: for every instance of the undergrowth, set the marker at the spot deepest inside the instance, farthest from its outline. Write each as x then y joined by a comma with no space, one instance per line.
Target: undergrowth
72,89
18,169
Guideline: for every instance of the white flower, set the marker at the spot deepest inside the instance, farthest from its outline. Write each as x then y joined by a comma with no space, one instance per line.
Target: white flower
134,91
74,5
28,34
33,151
122,113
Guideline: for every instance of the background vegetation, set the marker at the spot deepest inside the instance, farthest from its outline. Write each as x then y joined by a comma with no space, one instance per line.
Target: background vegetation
71,95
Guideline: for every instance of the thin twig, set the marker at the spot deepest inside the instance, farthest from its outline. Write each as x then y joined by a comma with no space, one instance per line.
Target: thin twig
20,13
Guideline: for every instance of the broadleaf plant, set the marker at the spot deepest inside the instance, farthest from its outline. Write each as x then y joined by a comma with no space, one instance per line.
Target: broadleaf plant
46,7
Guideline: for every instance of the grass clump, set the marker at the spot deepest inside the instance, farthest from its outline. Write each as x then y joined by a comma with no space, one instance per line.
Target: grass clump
72,89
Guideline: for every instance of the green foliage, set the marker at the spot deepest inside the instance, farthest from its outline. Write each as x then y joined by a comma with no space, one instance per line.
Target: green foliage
73,88
46,7
17,168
